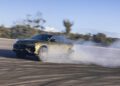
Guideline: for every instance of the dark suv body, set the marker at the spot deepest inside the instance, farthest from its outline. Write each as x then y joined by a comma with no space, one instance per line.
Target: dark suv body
41,44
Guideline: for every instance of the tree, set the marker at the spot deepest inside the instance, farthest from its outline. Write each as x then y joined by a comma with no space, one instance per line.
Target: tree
99,38
20,31
4,32
87,36
68,26
29,26
35,22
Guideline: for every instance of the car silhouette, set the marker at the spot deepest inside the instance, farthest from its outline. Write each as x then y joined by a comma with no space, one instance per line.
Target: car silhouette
42,45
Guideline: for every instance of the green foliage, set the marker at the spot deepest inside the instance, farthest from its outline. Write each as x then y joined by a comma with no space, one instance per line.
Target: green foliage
4,32
68,26
25,31
74,36
28,27
87,37
100,37
31,26
103,39
34,22
22,31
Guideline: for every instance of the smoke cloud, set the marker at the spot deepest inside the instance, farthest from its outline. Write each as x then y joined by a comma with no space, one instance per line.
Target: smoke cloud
88,54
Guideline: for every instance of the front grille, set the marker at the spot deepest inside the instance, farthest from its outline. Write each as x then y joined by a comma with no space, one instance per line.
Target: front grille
28,48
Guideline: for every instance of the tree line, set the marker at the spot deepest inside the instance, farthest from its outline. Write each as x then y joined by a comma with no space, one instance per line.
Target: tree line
31,26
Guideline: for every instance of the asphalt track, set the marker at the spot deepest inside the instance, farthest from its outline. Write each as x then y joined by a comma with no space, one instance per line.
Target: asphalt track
28,71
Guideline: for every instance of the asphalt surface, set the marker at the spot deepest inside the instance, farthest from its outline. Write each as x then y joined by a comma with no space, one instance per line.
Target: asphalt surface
28,71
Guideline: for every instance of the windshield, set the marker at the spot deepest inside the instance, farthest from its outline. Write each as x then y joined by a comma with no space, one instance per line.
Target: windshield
43,37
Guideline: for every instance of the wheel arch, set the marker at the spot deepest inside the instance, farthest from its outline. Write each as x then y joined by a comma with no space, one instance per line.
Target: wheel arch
42,46
45,46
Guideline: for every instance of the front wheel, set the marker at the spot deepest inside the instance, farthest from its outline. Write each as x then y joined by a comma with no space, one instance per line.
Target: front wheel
43,52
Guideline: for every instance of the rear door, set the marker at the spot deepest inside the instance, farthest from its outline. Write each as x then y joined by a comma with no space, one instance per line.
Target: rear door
57,45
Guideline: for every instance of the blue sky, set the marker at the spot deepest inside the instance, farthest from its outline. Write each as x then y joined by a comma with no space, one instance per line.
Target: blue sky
87,15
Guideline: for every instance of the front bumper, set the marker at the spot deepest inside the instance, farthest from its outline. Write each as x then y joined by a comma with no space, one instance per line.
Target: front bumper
24,49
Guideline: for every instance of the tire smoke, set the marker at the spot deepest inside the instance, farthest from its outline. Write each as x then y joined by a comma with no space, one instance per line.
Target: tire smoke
88,54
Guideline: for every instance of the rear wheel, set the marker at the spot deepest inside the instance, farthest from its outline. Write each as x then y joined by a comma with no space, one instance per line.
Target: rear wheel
43,52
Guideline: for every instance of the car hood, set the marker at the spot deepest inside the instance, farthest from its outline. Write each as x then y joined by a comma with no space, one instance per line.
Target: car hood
27,41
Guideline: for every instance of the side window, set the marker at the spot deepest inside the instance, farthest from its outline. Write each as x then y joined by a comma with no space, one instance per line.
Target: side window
57,39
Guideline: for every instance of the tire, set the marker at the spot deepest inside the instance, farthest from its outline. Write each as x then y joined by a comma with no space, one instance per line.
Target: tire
43,52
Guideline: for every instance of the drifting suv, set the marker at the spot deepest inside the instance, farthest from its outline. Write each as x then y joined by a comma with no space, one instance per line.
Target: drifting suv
42,44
